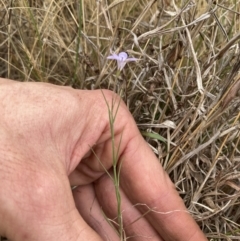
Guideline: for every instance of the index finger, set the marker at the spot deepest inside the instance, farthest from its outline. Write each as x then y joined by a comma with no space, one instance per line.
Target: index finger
145,182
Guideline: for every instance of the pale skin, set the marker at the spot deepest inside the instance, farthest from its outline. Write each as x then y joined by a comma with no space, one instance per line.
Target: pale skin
47,137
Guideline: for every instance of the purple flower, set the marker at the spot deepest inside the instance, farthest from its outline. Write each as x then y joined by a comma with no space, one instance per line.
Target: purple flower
122,59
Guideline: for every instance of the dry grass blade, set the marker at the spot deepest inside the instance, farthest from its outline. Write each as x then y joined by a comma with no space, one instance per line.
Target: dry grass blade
194,152
223,50
161,30
143,13
197,67
197,194
231,93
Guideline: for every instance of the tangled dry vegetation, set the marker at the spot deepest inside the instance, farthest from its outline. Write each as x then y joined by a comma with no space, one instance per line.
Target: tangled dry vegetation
183,91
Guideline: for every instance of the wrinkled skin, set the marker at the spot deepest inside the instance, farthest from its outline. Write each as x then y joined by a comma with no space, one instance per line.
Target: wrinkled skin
47,138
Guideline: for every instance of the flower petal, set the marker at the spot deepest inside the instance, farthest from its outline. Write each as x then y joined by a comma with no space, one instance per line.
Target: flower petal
113,56
131,59
121,64
123,56
122,59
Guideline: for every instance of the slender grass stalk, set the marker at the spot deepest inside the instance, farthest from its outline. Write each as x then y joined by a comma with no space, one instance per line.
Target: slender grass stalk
78,46
112,114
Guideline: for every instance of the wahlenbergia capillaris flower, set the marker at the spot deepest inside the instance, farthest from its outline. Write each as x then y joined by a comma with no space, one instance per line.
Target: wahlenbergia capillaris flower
122,59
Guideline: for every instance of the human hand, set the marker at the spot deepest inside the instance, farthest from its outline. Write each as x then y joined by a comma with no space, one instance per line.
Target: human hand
53,137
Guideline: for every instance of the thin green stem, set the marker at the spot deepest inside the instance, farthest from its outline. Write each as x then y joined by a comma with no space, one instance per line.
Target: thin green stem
115,154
